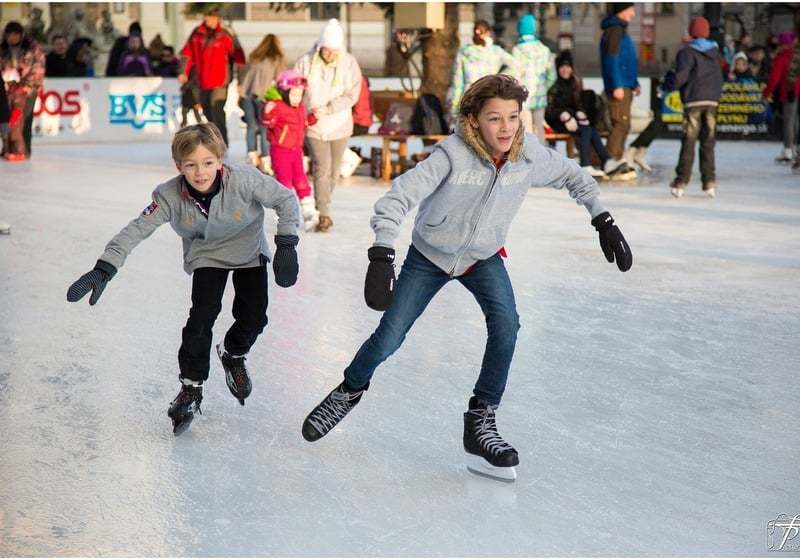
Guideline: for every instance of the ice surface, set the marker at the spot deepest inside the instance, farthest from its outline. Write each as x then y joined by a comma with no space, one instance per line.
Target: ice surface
655,412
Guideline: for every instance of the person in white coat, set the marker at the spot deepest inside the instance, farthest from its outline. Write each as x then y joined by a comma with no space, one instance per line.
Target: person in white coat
334,84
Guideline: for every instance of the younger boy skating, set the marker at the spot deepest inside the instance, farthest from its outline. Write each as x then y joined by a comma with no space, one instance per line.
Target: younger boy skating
468,190
286,122
218,210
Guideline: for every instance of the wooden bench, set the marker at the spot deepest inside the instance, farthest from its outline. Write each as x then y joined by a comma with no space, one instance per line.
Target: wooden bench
396,144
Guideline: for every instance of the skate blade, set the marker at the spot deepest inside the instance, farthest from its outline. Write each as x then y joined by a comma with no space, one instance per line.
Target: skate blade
241,401
178,427
481,467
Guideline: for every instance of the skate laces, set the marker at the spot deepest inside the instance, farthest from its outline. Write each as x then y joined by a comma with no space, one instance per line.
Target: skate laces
236,365
331,411
487,435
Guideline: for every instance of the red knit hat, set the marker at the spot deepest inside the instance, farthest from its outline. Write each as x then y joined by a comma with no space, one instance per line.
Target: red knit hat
699,27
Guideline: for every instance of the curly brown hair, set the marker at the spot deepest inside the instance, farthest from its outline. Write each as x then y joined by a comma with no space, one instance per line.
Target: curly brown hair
484,89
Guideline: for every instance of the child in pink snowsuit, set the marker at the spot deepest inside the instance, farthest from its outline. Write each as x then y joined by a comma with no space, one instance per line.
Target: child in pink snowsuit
286,121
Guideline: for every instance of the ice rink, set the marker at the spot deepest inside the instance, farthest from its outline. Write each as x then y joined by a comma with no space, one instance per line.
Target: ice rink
655,411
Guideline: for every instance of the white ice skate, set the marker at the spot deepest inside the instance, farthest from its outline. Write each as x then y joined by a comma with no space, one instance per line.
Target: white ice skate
594,172
5,228
310,213
618,170
785,157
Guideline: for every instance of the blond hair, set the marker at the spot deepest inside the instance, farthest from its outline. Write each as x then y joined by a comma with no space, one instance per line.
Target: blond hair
188,138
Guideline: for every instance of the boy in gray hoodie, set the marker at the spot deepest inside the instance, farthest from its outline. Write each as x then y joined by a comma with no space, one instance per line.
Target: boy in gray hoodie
218,210
468,190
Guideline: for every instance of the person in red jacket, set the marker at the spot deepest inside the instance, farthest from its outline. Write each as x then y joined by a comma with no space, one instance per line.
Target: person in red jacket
208,51
779,84
362,110
286,121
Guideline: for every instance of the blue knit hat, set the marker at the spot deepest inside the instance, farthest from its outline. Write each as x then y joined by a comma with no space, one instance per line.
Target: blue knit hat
526,25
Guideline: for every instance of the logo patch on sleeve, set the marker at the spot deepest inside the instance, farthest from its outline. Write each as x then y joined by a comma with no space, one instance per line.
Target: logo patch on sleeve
150,209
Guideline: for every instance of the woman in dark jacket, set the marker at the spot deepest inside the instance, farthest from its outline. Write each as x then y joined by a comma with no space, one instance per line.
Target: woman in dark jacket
565,113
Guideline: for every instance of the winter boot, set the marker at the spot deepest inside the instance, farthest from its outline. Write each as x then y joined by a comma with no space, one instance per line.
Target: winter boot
182,408
331,411
325,223
236,376
488,453
254,159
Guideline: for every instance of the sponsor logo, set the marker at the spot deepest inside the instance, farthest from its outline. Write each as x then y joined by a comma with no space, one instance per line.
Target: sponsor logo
138,110
56,103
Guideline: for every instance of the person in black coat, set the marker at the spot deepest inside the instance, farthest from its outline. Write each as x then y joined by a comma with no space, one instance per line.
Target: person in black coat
565,113
119,47
57,64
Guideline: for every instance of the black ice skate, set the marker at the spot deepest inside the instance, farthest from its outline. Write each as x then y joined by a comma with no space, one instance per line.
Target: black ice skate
330,412
488,454
183,407
236,376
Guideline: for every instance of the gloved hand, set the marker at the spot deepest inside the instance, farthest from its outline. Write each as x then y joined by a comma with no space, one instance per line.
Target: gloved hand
94,280
569,122
583,120
284,263
612,242
379,283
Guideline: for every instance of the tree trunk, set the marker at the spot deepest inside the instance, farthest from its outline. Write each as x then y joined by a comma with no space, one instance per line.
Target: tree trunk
438,53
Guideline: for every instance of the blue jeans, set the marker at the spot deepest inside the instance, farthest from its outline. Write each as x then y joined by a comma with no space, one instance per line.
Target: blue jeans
418,282
251,106
590,138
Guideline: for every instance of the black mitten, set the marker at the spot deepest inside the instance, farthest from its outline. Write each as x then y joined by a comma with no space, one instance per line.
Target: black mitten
612,242
379,283
284,263
94,280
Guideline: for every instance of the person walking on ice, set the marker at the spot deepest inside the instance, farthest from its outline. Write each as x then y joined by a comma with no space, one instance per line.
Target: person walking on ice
468,191
218,210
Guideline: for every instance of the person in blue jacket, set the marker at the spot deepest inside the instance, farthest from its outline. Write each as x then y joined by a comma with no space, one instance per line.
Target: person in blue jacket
620,76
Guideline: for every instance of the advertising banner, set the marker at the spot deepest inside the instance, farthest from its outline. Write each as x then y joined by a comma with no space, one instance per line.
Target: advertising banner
742,113
115,109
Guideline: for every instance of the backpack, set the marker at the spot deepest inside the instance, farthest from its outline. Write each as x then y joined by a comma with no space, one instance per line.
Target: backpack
596,108
428,117
794,70
397,121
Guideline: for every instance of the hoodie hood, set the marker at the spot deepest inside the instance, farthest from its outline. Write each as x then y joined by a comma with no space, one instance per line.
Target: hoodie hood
610,21
704,46
526,28
473,139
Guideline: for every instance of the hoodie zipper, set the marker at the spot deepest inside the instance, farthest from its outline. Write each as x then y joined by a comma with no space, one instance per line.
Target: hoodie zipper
484,202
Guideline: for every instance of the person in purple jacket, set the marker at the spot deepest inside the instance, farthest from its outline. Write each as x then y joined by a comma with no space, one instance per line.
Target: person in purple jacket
468,190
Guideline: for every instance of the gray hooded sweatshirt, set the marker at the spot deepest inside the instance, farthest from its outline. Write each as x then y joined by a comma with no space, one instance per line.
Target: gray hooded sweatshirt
232,236
466,204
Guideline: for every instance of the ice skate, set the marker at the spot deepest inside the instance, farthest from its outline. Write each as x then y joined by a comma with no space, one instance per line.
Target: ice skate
254,159
710,189
638,156
785,157
310,213
236,376
487,453
618,170
594,172
186,403
5,228
327,414
676,187
265,165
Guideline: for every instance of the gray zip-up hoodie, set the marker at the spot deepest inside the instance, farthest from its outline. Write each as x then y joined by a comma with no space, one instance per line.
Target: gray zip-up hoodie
466,204
232,236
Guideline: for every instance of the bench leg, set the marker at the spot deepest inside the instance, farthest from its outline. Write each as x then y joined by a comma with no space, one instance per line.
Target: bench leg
386,161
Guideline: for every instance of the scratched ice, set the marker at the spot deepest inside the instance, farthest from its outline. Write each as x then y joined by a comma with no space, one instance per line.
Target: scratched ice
655,411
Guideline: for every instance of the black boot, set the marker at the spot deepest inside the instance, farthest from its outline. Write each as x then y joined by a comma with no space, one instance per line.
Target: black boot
489,453
183,407
236,376
331,411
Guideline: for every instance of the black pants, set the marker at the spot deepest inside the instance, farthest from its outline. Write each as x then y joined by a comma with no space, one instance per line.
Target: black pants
213,102
249,313
699,123
27,130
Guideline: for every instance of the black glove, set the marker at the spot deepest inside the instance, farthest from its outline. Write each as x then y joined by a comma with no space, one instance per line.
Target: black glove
94,280
284,263
379,283
612,242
